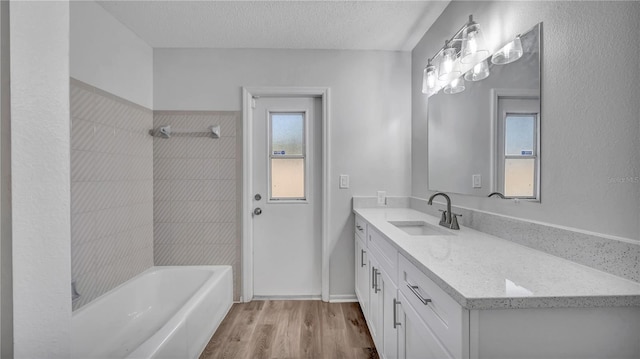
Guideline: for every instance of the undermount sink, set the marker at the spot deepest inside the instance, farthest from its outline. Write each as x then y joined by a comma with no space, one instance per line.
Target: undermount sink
420,228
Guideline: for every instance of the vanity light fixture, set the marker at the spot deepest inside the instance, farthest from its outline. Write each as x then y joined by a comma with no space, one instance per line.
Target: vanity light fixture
509,53
463,57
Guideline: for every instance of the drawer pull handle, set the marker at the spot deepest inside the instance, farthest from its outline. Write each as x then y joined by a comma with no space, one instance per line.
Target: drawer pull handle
359,227
376,289
395,313
373,277
414,290
362,252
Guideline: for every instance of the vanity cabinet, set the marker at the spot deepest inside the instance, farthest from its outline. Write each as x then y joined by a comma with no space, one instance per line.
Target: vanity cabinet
400,323
410,315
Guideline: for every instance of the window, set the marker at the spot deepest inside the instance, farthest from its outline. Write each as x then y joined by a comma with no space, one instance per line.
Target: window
287,156
520,156
518,148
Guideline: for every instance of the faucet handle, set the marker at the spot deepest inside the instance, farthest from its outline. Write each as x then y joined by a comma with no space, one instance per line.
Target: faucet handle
443,219
454,221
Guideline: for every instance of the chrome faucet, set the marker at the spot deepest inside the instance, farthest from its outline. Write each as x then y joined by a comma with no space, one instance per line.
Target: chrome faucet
449,219
498,194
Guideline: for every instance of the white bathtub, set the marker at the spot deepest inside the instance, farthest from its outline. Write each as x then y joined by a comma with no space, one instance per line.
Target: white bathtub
164,312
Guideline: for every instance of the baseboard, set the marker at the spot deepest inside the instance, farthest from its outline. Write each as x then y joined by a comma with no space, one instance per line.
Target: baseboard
342,298
287,297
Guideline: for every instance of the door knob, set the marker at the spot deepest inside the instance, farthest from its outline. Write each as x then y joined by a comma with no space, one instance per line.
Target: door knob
257,211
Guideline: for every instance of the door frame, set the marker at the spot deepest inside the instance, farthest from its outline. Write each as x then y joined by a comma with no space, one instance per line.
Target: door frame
248,94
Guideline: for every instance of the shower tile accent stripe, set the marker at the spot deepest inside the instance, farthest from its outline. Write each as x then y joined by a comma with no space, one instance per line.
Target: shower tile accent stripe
111,190
196,191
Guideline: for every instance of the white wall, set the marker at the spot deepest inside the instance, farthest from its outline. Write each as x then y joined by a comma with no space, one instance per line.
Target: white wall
370,116
39,36
590,109
6,286
109,56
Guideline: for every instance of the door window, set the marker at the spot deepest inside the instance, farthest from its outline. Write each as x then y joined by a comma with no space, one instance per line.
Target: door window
287,156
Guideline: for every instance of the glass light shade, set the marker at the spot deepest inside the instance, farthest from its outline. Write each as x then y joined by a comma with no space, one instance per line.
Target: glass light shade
455,86
449,68
479,72
474,49
429,79
509,53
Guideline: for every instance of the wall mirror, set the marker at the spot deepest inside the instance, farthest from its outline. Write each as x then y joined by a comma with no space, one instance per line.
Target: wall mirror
486,138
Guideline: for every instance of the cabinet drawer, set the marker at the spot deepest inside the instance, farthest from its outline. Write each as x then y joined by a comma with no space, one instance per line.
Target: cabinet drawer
444,316
361,228
385,253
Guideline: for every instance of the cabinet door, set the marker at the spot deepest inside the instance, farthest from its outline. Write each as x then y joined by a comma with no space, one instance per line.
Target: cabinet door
389,292
375,302
362,276
415,339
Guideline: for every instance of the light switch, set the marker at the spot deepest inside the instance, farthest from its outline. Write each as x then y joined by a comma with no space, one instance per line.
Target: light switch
477,181
344,181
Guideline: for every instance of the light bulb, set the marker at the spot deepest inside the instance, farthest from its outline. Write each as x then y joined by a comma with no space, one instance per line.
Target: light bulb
479,72
471,42
448,69
456,86
429,78
473,47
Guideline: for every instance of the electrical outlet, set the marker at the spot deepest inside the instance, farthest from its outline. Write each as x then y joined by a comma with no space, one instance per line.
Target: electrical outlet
382,198
476,181
344,181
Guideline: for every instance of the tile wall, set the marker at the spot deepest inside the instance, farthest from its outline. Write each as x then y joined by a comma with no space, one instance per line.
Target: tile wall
197,191
111,190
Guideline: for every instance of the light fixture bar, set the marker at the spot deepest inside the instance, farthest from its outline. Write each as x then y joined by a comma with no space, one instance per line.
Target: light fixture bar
455,37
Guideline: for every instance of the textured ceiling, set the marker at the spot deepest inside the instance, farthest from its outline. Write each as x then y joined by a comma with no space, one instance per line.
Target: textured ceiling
353,25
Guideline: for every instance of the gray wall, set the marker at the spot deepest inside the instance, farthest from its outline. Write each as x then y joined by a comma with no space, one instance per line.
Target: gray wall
370,117
6,282
111,190
590,129
197,184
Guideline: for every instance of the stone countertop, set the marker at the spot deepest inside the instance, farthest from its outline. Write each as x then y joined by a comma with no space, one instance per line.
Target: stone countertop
481,271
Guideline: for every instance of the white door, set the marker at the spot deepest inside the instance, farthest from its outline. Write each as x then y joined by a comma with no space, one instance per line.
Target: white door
287,198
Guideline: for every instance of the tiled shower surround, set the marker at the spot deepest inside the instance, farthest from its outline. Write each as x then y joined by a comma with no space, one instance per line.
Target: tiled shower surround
111,190
196,191
138,200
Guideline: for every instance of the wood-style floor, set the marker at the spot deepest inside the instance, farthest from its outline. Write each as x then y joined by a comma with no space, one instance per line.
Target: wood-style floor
292,329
